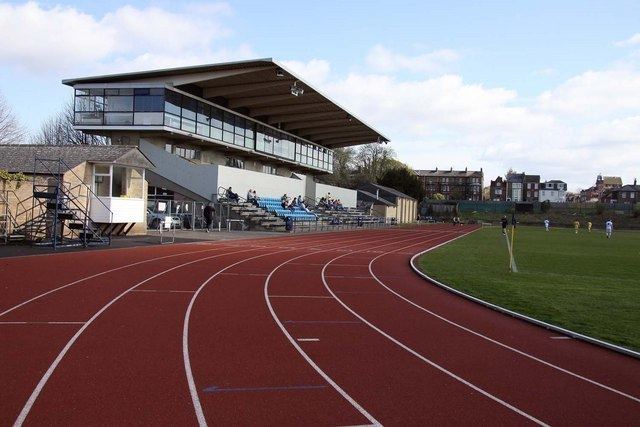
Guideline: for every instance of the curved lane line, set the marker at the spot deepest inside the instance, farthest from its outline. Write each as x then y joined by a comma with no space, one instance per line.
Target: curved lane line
478,334
218,245
93,276
43,381
421,357
307,358
197,406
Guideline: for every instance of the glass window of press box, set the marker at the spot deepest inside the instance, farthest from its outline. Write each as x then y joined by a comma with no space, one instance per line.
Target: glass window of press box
118,181
163,107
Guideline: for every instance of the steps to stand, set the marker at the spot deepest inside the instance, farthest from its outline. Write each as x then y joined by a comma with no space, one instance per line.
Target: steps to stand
59,213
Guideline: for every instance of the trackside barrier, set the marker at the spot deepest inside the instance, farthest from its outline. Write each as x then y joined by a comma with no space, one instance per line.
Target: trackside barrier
503,310
326,225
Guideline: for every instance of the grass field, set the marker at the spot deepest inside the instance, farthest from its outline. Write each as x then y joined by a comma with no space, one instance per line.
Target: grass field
582,282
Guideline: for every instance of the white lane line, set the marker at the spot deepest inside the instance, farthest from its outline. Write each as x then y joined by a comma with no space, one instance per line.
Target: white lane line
503,345
308,359
42,323
307,339
561,337
301,296
421,357
195,399
162,291
93,276
43,381
244,274
218,245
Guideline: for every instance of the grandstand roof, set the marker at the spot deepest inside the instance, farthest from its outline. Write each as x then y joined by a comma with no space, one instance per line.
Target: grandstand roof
261,89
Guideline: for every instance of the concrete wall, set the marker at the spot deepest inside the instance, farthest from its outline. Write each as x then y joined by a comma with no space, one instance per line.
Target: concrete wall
200,179
347,197
241,180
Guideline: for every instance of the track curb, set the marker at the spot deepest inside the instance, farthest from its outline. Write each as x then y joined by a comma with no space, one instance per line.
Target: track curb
511,313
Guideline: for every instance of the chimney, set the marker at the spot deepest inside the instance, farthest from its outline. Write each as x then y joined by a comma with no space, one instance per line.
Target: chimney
436,169
635,181
451,170
465,168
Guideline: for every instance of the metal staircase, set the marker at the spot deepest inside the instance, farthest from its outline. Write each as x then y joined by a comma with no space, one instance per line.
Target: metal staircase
8,223
59,213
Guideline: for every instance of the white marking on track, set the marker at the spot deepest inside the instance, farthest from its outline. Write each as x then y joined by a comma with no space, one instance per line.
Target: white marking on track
561,337
43,381
301,296
307,339
418,355
42,323
202,422
478,334
310,361
162,291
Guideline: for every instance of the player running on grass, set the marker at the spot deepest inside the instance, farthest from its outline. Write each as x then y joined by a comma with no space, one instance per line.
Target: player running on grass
546,225
504,223
608,228
589,224
576,225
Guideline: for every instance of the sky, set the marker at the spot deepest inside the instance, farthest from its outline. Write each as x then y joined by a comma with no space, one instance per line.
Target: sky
542,87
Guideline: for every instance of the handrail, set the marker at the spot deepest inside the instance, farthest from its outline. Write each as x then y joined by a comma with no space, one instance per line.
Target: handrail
225,194
80,180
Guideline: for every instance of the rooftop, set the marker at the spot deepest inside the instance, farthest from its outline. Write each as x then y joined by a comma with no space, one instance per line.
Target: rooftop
264,90
437,172
21,157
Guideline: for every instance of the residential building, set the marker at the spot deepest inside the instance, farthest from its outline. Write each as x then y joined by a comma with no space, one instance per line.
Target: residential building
624,194
453,185
498,190
553,191
522,187
250,124
390,202
602,186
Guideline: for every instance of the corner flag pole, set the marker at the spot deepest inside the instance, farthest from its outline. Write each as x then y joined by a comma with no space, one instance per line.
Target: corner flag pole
513,233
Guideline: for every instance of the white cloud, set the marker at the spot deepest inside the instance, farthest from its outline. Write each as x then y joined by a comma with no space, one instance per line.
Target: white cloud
383,60
42,40
571,132
631,41
596,94
315,71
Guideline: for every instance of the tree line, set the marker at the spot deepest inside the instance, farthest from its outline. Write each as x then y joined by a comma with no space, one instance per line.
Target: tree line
376,163
55,130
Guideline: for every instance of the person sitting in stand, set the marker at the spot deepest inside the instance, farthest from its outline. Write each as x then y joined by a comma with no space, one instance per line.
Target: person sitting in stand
233,197
254,197
250,196
339,205
299,201
304,207
283,201
322,202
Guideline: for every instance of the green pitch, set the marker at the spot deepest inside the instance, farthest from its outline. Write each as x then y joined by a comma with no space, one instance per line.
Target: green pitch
584,282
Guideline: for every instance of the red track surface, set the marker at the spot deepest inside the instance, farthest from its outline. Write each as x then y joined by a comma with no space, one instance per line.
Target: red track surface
328,329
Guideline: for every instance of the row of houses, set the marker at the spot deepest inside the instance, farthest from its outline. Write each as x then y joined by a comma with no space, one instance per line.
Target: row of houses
453,185
609,189
521,187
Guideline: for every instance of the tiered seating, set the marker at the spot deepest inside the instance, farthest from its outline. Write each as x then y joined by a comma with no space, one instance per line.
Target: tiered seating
274,205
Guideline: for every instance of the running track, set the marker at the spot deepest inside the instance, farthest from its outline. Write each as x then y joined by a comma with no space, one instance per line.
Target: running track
328,329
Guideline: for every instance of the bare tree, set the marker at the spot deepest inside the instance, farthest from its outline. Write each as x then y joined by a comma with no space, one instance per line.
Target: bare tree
373,160
11,131
58,130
